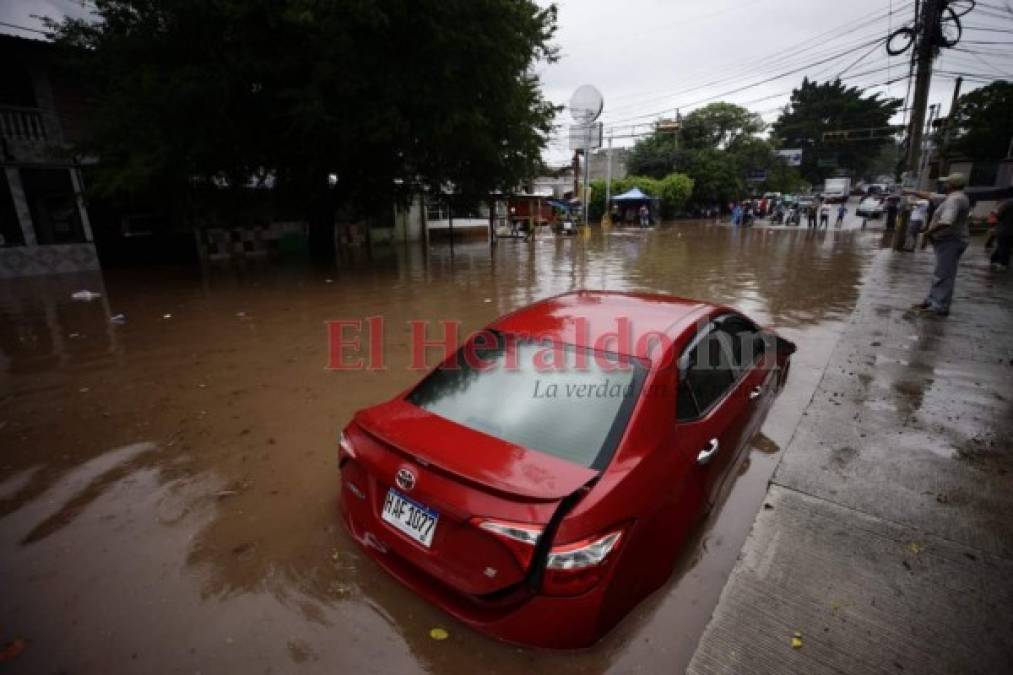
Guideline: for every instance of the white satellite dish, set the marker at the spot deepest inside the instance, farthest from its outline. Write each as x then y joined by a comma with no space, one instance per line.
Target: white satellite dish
586,104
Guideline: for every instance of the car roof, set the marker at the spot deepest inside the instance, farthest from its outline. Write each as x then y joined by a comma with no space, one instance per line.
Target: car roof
600,312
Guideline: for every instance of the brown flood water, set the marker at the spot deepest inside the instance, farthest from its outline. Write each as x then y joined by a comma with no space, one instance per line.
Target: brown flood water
168,486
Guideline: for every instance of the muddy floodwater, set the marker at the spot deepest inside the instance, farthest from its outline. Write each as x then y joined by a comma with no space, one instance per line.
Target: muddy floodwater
168,480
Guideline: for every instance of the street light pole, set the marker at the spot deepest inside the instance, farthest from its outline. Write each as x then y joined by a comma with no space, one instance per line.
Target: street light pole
587,172
608,174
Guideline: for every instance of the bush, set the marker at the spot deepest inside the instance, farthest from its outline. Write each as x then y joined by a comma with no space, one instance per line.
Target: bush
673,190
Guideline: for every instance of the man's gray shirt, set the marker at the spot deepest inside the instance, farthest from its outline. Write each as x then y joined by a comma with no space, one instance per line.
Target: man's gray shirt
951,216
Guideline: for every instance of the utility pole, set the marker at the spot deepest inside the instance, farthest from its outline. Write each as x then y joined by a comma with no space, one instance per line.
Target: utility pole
608,179
926,45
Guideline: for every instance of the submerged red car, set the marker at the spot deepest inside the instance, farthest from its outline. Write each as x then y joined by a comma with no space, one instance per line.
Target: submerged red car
541,481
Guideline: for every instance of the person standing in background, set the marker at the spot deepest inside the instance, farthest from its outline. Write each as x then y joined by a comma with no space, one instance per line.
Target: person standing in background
1003,236
990,222
919,213
842,210
891,213
949,235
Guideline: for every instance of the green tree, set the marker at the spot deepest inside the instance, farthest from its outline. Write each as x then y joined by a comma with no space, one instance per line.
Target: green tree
718,125
983,122
674,190
716,147
815,109
718,176
192,94
656,155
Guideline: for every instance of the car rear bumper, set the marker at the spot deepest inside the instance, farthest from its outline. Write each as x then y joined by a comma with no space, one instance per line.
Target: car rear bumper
517,616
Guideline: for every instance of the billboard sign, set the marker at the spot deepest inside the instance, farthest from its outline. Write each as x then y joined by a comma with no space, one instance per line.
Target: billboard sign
791,156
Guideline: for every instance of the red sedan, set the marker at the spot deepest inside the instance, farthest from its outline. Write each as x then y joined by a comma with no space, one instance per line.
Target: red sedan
541,481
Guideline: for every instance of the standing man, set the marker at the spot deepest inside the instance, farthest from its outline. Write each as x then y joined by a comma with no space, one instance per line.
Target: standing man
919,214
892,206
1003,236
949,235
841,211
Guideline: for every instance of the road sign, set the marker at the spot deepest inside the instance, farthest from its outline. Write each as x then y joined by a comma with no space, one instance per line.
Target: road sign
581,136
791,156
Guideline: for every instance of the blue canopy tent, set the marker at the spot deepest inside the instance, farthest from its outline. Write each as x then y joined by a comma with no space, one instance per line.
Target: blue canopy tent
562,206
628,204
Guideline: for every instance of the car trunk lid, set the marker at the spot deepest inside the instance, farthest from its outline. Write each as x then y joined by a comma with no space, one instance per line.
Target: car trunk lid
463,475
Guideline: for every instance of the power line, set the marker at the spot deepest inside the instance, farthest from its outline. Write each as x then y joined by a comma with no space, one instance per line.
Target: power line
779,76
989,30
31,30
781,56
862,57
758,67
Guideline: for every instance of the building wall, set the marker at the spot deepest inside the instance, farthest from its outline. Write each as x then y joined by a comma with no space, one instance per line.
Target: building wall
599,163
45,224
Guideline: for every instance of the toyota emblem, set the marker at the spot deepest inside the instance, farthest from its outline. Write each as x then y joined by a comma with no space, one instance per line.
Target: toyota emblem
405,479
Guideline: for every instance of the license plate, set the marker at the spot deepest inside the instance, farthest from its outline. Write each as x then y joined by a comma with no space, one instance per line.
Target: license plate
416,520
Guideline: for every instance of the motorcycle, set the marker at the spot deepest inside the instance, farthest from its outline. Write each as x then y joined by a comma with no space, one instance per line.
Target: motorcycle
794,216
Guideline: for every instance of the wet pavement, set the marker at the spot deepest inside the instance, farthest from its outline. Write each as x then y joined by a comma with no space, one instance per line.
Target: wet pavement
885,541
168,484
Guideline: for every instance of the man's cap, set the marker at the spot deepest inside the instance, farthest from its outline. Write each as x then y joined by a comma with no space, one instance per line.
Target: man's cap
955,179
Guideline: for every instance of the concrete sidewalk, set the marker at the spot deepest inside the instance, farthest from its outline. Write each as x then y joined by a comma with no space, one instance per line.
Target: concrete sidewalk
886,539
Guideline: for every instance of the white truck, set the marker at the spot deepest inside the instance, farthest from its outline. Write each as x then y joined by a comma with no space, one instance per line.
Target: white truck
836,190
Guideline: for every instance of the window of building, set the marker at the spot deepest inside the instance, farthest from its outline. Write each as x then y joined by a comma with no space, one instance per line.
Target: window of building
51,200
16,88
10,228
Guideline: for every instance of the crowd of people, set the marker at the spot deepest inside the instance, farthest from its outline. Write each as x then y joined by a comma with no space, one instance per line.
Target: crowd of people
939,219
815,211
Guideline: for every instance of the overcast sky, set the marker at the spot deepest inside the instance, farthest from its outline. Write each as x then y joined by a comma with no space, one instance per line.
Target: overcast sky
652,56
649,57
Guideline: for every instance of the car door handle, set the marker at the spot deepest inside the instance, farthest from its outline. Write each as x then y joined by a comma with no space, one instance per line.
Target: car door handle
707,453
755,393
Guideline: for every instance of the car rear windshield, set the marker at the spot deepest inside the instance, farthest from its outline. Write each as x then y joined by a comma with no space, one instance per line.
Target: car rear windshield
566,401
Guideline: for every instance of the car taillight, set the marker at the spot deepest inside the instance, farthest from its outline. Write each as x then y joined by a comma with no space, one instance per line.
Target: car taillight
572,569
345,450
520,538
345,446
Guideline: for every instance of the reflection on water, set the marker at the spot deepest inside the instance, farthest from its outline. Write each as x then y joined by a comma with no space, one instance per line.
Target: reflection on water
168,485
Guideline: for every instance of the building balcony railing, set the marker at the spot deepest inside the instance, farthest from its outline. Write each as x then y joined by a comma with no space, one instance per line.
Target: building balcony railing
22,124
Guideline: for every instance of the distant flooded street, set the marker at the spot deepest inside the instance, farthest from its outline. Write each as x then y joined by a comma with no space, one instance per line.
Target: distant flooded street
168,479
